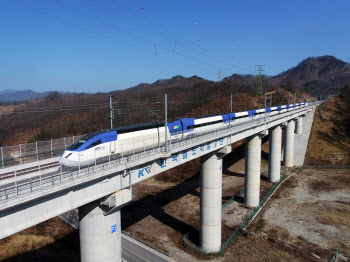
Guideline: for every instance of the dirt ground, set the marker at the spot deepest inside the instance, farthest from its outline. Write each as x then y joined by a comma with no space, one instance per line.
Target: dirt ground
305,220
329,143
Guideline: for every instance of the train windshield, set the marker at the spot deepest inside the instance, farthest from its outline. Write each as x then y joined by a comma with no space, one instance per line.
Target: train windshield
83,140
77,144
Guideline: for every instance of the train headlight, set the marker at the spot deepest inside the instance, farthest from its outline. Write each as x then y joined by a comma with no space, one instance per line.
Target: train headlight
68,155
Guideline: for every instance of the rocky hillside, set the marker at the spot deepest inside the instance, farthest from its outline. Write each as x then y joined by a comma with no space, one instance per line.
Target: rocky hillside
317,75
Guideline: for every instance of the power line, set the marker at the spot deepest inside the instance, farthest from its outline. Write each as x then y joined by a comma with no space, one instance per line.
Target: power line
82,13
151,30
117,28
104,36
178,35
107,106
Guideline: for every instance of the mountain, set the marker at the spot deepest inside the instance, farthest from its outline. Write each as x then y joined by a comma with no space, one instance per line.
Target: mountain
7,96
20,95
175,81
314,75
324,74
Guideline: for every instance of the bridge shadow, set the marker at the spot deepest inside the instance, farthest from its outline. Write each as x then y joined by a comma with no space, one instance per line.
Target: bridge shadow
63,249
152,205
230,173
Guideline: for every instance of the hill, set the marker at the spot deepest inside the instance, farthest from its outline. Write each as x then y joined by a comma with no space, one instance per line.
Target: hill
9,96
322,75
316,75
19,95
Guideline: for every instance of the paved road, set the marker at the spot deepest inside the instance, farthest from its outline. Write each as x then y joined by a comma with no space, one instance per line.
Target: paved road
134,251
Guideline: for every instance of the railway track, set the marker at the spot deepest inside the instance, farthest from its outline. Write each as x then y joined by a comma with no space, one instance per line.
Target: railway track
29,170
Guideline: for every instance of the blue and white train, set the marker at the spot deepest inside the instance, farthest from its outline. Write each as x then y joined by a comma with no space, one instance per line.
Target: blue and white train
129,139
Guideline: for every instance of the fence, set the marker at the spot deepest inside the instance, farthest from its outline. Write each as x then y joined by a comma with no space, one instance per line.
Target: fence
324,103
334,257
26,153
244,224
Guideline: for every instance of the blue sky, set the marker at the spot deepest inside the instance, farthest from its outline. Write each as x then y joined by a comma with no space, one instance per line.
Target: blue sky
104,45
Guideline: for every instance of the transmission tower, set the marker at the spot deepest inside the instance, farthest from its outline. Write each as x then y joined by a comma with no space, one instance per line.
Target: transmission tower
219,76
260,70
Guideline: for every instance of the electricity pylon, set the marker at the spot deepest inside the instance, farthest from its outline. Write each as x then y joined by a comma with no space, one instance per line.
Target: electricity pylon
259,90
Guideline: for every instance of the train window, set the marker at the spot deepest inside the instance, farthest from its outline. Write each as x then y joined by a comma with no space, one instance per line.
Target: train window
83,140
138,127
77,144
94,144
208,123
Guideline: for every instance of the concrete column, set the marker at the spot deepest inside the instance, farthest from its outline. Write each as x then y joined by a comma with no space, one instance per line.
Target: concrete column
299,125
275,139
210,202
289,144
100,235
252,170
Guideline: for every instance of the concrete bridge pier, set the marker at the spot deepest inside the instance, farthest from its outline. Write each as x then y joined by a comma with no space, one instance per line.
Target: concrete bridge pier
275,139
252,170
100,233
289,144
299,125
210,202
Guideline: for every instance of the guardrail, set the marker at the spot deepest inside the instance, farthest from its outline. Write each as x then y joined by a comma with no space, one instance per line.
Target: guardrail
52,178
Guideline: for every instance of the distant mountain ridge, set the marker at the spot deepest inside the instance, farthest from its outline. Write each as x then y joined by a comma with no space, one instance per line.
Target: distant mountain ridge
20,95
314,75
172,82
8,95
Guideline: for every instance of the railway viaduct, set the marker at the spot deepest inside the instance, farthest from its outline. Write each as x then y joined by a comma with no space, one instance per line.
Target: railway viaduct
100,191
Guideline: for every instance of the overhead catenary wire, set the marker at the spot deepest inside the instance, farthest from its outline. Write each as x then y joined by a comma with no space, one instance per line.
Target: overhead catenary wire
106,106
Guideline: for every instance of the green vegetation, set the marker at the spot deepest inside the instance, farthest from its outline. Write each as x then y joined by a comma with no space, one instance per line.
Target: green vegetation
41,136
260,226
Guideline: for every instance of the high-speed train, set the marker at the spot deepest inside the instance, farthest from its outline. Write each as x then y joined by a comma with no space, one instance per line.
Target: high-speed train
126,140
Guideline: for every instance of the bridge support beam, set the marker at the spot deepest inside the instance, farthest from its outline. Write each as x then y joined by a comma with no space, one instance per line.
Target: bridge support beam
289,144
275,139
299,125
252,170
100,233
210,202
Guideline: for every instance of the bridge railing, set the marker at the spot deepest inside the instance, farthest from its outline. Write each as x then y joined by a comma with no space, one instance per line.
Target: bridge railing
23,183
31,152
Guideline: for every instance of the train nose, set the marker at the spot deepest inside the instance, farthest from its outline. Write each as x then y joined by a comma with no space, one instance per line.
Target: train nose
67,162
